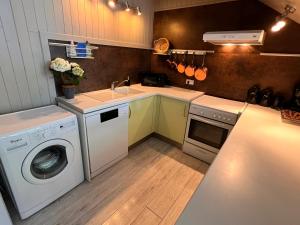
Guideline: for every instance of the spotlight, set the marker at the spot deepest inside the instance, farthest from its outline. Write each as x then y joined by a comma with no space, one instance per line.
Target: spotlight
280,22
127,9
138,11
112,3
278,26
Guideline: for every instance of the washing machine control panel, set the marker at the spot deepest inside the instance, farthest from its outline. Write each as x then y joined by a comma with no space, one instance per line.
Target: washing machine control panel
14,142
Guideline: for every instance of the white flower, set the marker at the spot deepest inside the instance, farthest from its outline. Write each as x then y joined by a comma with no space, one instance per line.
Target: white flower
60,65
74,64
77,71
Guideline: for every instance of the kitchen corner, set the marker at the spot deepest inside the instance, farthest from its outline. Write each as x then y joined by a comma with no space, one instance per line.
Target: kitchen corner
254,179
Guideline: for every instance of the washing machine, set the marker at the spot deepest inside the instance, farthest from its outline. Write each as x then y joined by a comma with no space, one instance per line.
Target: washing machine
40,156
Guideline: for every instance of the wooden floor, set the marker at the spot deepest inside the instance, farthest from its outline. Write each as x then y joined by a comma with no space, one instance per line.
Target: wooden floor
151,186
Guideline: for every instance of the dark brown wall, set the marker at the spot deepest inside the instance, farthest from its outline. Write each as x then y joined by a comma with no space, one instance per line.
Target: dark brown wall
110,64
232,70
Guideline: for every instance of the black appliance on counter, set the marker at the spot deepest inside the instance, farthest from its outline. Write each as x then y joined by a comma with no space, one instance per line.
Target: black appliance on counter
266,97
253,94
154,79
295,103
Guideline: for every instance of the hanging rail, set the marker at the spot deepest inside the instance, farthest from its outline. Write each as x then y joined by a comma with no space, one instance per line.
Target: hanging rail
74,52
185,51
279,54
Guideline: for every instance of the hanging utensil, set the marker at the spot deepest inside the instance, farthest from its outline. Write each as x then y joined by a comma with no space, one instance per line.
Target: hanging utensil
174,62
201,73
170,60
190,69
182,65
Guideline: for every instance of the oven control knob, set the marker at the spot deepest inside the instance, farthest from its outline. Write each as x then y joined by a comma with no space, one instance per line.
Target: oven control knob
214,115
224,118
219,117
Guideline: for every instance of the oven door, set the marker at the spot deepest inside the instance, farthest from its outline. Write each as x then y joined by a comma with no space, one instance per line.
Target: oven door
206,133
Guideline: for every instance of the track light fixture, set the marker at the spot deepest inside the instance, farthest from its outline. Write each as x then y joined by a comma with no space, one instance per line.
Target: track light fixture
280,20
127,7
112,3
138,11
124,5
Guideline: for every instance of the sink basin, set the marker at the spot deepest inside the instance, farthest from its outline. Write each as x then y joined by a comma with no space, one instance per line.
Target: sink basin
127,91
109,95
104,96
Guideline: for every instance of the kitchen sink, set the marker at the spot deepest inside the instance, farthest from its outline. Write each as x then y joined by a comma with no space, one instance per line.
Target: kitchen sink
127,91
109,95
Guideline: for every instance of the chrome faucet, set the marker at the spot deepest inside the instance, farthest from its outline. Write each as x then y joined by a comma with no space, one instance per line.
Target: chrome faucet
114,86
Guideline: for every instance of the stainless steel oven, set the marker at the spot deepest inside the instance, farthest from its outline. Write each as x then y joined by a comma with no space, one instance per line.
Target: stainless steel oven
206,132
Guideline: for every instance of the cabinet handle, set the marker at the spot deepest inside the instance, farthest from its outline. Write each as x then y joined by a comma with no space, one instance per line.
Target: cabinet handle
184,112
129,112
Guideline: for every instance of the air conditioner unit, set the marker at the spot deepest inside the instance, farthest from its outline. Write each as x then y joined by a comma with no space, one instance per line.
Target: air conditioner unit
244,37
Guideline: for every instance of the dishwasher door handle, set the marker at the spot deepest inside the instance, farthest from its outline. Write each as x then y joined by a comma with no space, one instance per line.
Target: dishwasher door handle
109,115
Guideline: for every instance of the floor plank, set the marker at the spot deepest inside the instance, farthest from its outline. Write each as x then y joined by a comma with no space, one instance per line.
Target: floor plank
152,184
180,203
147,217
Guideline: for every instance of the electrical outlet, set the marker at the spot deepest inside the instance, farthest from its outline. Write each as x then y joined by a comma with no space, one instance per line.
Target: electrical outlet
189,82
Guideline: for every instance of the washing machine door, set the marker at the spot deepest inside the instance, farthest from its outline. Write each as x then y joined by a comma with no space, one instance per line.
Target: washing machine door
48,161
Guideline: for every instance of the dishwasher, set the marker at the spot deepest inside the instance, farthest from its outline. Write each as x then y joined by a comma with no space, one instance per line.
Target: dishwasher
107,137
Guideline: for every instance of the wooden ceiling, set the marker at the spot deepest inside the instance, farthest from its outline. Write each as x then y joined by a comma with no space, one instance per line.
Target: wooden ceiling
279,5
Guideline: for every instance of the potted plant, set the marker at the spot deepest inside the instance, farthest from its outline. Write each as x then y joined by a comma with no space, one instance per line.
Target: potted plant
70,74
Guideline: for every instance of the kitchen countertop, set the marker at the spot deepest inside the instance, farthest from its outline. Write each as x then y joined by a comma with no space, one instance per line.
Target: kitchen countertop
255,179
86,104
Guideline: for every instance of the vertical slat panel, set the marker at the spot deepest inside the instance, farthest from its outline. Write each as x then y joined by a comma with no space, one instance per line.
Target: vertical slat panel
39,9
67,16
88,16
109,27
8,75
100,20
81,16
50,17
59,16
5,105
49,75
26,51
28,6
13,55
74,15
95,19
37,56
40,64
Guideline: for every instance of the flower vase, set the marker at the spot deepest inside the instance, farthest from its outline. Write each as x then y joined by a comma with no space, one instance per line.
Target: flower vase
69,91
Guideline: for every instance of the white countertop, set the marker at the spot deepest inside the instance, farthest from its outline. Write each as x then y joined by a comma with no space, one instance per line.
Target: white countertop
85,104
24,120
255,179
221,104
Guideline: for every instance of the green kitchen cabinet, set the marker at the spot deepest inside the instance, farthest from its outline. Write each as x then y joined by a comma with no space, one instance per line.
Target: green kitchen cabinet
141,119
172,118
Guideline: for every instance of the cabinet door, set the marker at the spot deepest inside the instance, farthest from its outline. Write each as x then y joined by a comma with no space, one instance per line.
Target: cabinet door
140,124
172,118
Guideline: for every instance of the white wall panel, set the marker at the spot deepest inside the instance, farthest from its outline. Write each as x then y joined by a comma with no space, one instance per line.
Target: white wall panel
26,26
11,61
8,75
26,51
5,103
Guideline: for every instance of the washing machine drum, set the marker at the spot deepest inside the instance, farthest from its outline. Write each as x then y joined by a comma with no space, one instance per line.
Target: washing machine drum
48,161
